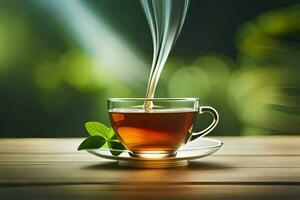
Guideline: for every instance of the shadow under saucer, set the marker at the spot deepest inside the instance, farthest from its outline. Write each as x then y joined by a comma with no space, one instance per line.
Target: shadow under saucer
192,165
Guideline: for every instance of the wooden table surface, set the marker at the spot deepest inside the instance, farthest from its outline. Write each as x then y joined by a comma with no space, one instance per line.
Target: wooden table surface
265,167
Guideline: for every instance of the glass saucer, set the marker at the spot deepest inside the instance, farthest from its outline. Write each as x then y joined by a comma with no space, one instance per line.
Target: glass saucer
193,150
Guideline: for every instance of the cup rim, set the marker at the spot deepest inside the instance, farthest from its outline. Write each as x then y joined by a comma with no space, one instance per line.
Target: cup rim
153,99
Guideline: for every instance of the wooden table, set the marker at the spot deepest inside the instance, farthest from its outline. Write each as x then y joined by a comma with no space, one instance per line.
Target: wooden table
245,168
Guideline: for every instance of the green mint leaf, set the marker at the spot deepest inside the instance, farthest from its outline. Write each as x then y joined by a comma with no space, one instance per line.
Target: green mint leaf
114,137
116,145
110,133
101,136
92,142
96,128
106,145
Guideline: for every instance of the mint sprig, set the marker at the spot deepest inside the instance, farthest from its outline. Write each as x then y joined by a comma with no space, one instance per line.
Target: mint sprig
92,142
101,136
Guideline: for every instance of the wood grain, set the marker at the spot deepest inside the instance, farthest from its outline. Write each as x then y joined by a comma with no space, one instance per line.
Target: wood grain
110,173
245,168
148,192
256,145
229,161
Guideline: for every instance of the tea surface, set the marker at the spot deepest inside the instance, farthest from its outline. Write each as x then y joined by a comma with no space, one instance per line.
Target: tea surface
163,130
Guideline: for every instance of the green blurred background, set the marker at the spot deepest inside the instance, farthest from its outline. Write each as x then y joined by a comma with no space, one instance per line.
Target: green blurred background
61,59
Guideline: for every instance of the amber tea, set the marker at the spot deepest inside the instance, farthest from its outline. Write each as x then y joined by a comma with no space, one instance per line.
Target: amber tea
160,131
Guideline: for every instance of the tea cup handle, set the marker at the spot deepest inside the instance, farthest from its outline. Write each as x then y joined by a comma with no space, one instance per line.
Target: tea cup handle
214,123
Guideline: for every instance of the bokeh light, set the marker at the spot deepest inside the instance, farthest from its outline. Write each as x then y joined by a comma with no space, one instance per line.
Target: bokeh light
61,60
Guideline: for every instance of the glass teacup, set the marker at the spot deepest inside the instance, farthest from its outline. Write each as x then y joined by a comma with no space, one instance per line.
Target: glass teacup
160,131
